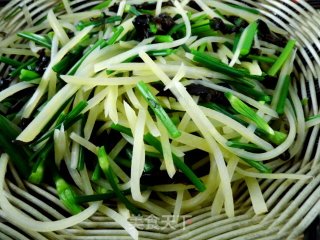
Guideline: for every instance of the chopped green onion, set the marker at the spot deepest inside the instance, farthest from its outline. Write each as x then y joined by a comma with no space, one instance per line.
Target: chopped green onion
98,197
80,165
215,64
158,110
122,129
38,169
176,28
68,60
17,71
236,42
248,9
67,120
258,165
96,175
115,35
67,195
246,146
123,161
202,47
153,28
162,52
96,23
163,38
10,61
102,5
256,94
265,59
151,140
175,119
283,95
36,175
246,111
132,9
41,40
18,154
282,58
203,31
75,67
201,23
104,163
148,166
28,75
199,18
250,33
277,138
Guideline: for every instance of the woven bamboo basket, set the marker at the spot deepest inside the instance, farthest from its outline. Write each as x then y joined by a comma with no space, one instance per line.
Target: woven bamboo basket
293,205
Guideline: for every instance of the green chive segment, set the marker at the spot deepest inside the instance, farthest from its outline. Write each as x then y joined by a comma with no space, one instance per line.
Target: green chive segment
39,39
104,163
250,33
151,140
158,110
282,58
249,113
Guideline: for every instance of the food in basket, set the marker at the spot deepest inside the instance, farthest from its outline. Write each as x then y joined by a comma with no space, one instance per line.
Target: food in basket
161,107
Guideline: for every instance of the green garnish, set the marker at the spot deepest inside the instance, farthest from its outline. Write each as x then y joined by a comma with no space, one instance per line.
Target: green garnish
249,34
283,95
39,39
28,75
249,113
158,110
151,140
258,165
10,61
104,163
282,58
215,64
67,195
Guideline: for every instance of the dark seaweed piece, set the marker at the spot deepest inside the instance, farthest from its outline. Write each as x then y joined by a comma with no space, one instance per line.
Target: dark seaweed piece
265,34
166,93
162,177
142,26
218,25
164,23
25,122
195,6
4,2
42,62
239,23
5,82
114,8
151,6
270,82
207,94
